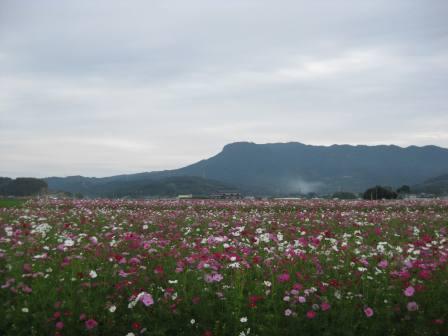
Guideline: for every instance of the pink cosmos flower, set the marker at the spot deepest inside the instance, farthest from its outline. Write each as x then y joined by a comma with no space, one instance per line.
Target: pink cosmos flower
27,268
412,306
383,264
26,289
147,299
409,291
424,274
364,262
214,277
368,311
288,312
60,325
297,286
284,277
302,299
311,314
325,306
90,324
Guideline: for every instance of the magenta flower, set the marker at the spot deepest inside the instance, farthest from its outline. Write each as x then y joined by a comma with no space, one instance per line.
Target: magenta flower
409,291
60,325
424,274
325,306
311,314
284,277
90,324
368,311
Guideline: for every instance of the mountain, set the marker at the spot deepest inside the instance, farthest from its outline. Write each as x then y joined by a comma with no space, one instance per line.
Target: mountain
286,168
436,185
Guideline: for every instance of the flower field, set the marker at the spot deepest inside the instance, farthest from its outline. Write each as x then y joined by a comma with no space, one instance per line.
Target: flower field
103,267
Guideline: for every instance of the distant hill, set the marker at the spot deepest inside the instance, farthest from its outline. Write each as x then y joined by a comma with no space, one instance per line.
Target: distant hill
138,187
285,168
437,185
22,186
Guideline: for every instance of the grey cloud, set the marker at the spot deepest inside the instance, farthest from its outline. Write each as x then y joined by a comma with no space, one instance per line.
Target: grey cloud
174,81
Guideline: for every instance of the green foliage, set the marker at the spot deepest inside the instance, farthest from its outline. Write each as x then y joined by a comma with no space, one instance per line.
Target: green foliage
137,187
10,202
378,193
22,186
404,189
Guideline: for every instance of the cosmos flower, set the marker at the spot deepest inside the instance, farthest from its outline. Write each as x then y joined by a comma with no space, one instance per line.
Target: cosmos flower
146,299
91,324
409,291
412,306
325,306
368,311
284,277
69,242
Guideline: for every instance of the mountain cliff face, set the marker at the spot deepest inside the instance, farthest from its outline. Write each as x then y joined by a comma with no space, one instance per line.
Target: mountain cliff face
283,168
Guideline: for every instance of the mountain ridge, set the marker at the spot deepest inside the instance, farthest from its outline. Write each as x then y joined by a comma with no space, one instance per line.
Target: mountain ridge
294,167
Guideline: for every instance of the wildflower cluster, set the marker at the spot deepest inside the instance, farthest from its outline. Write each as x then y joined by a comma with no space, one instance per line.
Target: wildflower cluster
113,267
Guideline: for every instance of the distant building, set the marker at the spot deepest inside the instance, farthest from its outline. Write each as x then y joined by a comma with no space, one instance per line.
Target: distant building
287,198
227,194
187,196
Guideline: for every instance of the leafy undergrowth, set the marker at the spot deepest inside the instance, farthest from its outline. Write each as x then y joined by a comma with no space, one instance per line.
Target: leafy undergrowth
107,267
10,203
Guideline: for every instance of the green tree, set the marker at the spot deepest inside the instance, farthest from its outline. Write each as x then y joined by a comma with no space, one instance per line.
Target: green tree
404,189
24,186
379,192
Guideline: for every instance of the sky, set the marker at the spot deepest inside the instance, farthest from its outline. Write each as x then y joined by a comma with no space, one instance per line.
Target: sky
100,88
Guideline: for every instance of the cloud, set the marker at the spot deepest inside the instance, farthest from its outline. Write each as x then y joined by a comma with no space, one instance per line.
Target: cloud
165,83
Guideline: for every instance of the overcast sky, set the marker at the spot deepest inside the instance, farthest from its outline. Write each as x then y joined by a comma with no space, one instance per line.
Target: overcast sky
99,88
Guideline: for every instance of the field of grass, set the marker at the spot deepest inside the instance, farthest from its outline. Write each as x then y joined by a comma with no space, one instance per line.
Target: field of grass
203,267
8,202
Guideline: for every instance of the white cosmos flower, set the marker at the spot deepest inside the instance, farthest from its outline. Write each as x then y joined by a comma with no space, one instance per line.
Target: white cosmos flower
93,274
69,242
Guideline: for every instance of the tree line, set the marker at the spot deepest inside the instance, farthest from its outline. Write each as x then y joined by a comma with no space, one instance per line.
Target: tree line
22,186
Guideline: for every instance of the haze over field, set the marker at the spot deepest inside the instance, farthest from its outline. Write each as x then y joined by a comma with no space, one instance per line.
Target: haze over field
108,87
